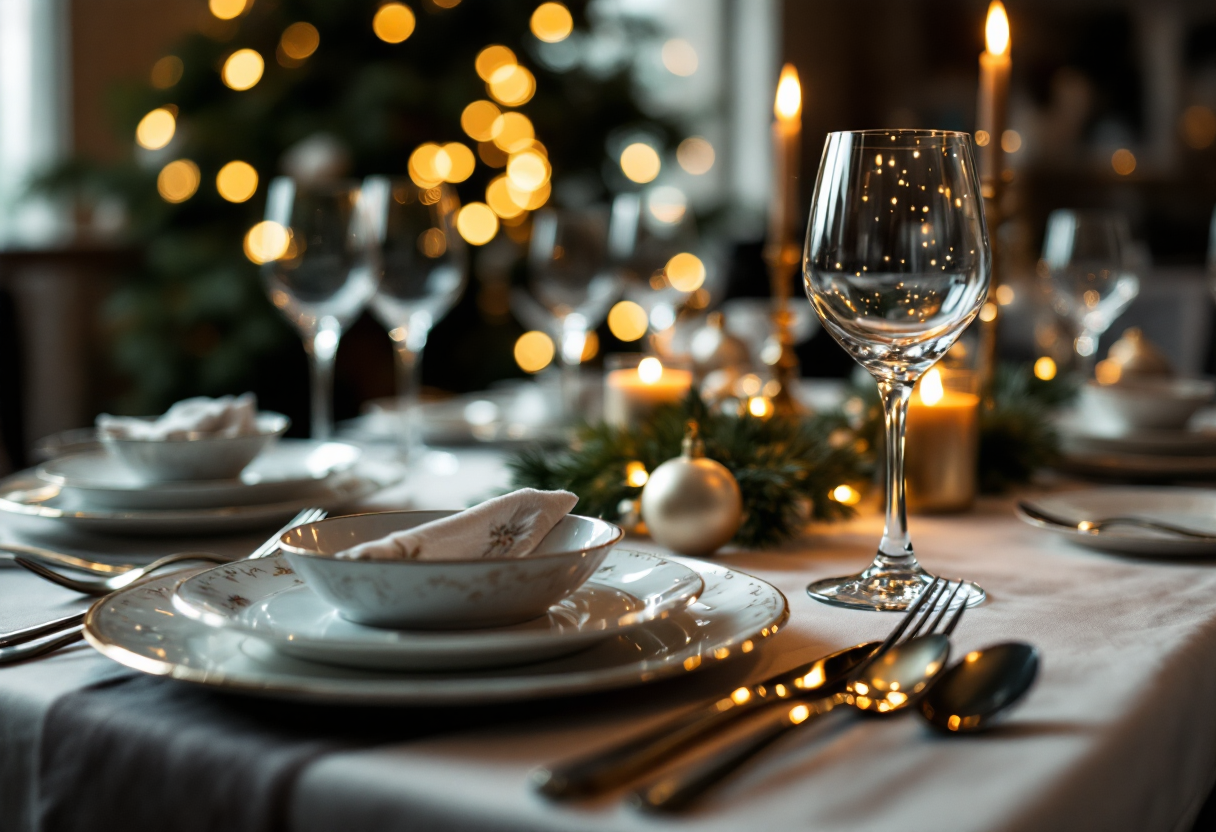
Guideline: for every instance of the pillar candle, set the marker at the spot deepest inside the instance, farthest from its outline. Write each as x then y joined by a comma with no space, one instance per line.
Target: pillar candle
631,393
941,447
992,107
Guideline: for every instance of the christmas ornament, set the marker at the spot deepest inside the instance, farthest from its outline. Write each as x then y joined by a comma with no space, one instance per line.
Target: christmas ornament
692,504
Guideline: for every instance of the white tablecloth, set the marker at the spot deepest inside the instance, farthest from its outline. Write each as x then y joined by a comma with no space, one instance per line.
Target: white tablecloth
1120,732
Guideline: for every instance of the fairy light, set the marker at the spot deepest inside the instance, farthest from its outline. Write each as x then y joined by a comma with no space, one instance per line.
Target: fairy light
394,22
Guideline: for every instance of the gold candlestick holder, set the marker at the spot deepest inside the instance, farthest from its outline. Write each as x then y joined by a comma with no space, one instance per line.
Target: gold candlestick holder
782,258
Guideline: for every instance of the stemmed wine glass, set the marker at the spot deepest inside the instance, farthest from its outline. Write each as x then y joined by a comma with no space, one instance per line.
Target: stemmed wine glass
325,277
897,264
1086,257
423,274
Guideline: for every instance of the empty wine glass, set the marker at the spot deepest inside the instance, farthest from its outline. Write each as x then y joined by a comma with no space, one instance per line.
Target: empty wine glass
897,264
325,276
423,274
1086,259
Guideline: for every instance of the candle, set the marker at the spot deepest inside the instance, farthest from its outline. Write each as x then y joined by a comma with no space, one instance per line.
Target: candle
632,392
941,446
787,147
995,65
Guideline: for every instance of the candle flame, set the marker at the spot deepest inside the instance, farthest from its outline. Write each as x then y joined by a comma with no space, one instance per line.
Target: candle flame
996,29
931,390
788,105
650,370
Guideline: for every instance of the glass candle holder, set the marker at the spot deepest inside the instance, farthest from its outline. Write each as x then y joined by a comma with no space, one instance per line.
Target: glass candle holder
941,454
635,384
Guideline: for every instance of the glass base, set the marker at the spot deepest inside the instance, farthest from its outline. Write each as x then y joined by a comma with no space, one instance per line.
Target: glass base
882,588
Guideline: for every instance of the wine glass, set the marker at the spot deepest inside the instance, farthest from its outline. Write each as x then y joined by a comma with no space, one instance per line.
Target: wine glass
325,276
423,274
1086,258
897,264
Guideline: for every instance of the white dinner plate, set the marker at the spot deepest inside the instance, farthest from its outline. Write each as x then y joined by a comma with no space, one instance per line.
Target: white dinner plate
291,468
1192,508
25,495
1158,442
268,600
1137,466
140,628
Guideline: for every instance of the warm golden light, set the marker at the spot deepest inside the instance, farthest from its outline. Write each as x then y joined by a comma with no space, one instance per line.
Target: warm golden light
1198,127
760,406
167,71
534,351
996,29
1005,294
552,22
513,132
460,162
498,197
1108,372
477,223
432,243
178,180
1123,161
591,347
788,105
931,390
799,714
529,200
627,321
243,69
511,85
429,165
1011,141
300,40
636,474
226,9
528,170
266,241
491,59
988,313
846,495
650,370
237,181
394,22
695,155
156,129
1045,369
685,272
981,138
640,162
679,57
478,120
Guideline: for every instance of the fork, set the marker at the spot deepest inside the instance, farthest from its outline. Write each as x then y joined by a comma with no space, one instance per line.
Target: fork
608,768
1095,526
678,790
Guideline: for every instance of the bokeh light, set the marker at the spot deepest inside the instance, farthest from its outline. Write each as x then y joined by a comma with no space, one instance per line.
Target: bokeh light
1045,369
243,69
300,40
432,243
846,495
636,474
552,22
650,370
513,132
627,321
394,22
226,9
679,57
429,165
491,59
1005,294
492,155
511,85
760,406
498,197
167,71
534,351
530,200
695,155
528,170
237,181
667,204
266,241
1123,161
178,180
478,120
685,272
460,162
640,162
156,129
1011,141
1198,127
477,223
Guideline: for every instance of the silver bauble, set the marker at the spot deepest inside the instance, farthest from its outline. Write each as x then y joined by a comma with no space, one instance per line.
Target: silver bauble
691,504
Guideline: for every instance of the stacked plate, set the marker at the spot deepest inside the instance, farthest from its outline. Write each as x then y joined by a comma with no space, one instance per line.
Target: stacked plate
93,491
257,627
1143,453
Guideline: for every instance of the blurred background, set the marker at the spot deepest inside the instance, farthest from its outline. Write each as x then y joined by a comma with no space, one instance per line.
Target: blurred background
127,277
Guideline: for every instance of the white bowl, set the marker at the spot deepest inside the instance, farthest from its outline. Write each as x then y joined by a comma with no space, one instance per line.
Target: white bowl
1145,403
196,458
443,594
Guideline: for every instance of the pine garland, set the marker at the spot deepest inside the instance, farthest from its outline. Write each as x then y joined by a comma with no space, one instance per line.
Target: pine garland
786,467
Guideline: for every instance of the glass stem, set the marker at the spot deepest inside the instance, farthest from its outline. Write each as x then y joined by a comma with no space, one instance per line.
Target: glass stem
322,349
896,546
409,387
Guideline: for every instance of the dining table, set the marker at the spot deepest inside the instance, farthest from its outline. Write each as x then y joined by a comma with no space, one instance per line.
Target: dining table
1119,732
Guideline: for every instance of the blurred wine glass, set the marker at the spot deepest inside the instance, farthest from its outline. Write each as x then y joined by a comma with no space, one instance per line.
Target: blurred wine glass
1088,263
323,275
423,266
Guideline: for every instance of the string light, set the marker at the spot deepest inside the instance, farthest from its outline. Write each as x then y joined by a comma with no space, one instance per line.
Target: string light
167,72
499,199
685,272
156,129
636,474
513,132
534,351
552,22
393,22
640,162
627,321
237,181
1123,161
266,241
492,58
511,85
178,180
477,223
243,69
695,155
478,120
226,9
300,40
1045,369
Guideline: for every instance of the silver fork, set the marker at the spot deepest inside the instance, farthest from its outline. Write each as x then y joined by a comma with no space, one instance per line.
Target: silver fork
677,791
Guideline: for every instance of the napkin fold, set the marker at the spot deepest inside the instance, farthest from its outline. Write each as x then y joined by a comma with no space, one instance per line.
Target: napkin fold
227,416
510,526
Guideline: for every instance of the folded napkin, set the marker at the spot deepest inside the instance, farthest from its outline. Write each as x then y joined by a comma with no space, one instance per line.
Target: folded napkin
510,526
226,416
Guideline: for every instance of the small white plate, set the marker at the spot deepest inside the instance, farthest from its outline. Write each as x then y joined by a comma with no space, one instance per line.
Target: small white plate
290,469
267,599
139,627
25,495
1192,508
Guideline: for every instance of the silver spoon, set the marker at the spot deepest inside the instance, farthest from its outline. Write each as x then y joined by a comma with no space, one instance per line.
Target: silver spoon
971,695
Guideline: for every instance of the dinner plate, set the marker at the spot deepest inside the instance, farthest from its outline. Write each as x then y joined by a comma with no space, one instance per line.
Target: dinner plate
289,469
1137,466
139,627
1192,508
1162,442
25,495
267,599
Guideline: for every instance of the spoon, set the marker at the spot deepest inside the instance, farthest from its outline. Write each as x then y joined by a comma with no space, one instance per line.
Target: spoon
976,691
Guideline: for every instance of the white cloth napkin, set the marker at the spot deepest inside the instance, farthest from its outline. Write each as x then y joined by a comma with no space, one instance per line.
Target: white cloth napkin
226,416
510,526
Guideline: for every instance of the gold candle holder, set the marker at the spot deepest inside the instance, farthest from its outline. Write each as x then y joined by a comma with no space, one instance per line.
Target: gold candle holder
942,442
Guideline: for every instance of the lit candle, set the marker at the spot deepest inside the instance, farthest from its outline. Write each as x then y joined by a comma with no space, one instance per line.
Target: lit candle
941,447
995,65
787,147
631,393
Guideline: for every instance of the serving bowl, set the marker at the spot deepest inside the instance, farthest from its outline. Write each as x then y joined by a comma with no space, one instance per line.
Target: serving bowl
443,594
200,457
1151,403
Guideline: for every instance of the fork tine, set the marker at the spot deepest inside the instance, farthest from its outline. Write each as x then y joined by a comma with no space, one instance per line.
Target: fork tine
908,618
939,589
958,614
945,608
87,587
